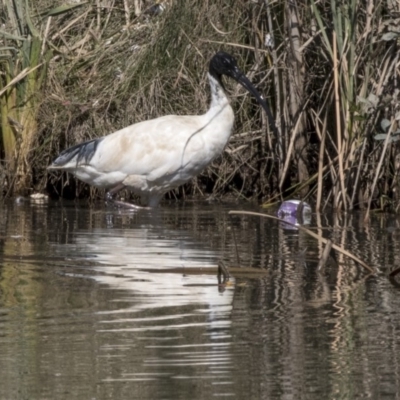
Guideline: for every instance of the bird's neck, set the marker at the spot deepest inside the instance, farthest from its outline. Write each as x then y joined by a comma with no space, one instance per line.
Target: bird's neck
218,97
219,118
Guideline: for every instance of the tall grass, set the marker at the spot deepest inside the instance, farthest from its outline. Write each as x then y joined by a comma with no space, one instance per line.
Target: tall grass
353,40
23,61
349,51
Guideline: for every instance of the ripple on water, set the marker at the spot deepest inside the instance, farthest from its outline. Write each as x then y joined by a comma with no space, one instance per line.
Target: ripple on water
102,304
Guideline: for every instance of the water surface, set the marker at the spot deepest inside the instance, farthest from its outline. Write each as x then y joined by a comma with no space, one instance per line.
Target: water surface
96,303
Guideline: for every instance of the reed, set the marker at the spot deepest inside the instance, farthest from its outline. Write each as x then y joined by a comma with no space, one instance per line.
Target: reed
327,70
23,64
356,60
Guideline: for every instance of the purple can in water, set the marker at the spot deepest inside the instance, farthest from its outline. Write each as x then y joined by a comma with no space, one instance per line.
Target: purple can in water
289,212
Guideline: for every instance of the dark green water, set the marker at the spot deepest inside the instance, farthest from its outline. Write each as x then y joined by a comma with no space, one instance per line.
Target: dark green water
87,313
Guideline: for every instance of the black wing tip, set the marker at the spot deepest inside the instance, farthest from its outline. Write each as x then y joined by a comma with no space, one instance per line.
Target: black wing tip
81,154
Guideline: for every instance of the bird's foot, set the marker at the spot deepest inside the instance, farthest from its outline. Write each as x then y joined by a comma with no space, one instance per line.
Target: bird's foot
109,198
124,204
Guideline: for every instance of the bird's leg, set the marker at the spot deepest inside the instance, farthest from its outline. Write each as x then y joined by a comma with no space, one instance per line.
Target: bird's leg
109,198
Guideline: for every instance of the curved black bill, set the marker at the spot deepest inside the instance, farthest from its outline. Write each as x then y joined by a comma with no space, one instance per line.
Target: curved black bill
244,81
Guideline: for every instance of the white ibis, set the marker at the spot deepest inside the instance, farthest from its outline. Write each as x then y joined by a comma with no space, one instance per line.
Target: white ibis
152,157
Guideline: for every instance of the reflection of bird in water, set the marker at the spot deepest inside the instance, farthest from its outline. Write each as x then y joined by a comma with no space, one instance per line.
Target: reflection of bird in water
125,262
176,310
152,157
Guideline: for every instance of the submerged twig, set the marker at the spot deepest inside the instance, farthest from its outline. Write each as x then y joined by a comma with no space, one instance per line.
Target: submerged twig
222,272
314,235
236,272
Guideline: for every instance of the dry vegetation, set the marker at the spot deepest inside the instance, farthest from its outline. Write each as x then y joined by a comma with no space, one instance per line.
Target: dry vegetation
77,70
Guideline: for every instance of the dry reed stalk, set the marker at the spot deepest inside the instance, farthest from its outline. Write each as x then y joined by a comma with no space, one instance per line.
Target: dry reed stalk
98,14
296,78
137,4
358,174
292,145
320,164
331,162
277,85
340,146
127,13
24,73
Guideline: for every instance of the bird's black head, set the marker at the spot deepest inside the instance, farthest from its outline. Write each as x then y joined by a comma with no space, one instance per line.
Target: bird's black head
224,64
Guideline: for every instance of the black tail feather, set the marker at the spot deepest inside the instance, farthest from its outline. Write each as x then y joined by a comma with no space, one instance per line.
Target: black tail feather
82,153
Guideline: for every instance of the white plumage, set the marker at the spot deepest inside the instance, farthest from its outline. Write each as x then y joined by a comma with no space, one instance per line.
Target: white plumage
152,157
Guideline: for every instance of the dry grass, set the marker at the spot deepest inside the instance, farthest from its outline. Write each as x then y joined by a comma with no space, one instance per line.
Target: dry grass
331,79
